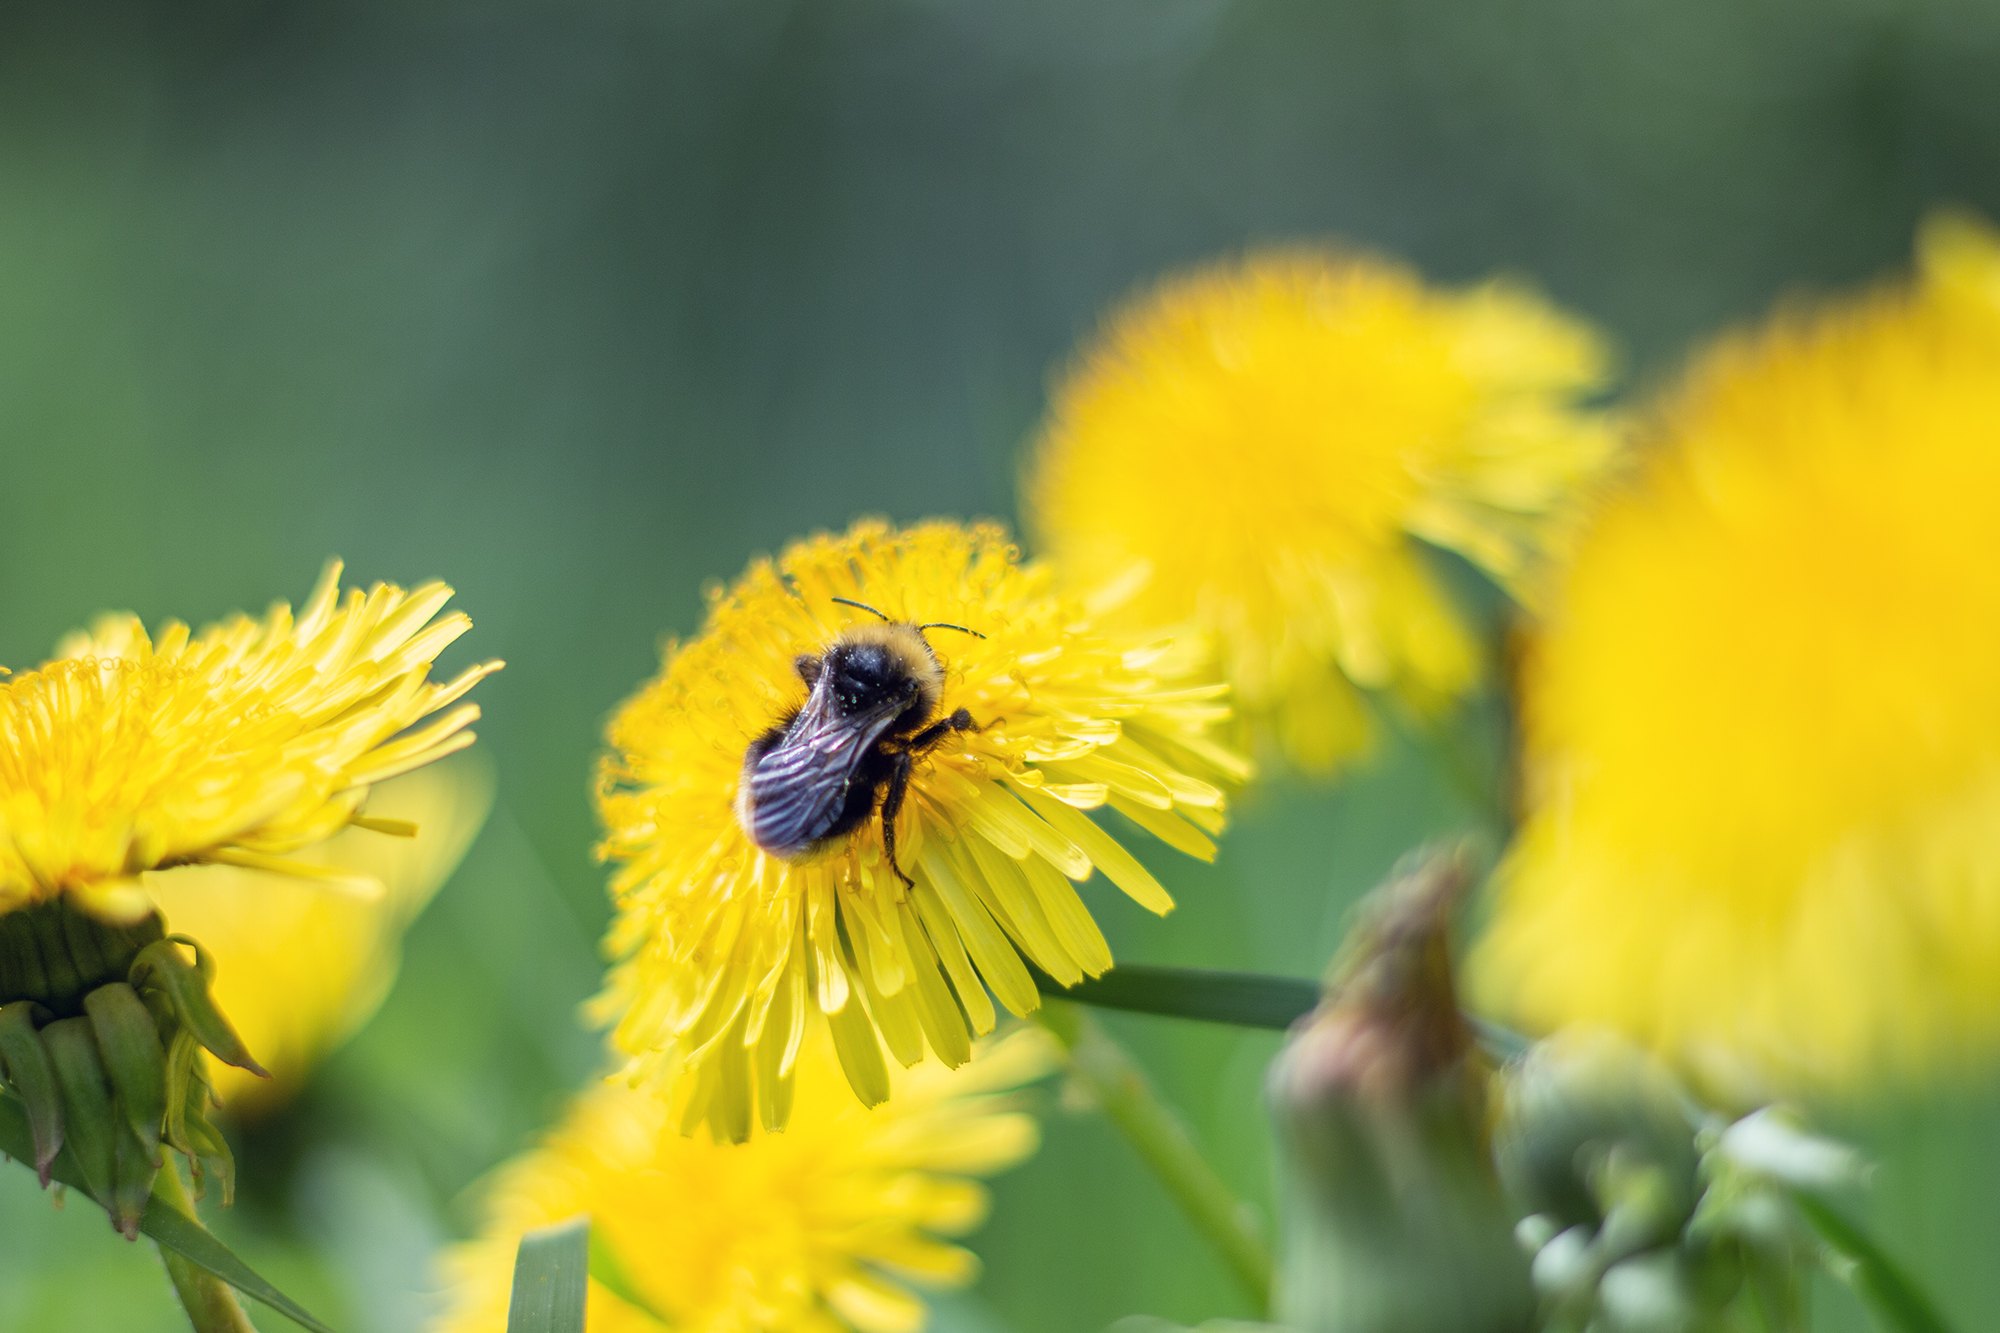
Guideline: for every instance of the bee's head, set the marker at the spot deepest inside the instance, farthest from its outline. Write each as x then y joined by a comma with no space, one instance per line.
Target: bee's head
872,665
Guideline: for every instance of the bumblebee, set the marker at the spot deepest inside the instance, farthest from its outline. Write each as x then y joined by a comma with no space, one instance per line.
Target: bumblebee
830,764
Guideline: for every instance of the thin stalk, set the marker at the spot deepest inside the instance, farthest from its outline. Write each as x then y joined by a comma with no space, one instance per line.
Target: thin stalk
1891,1293
1129,1101
210,1304
1233,999
1780,1299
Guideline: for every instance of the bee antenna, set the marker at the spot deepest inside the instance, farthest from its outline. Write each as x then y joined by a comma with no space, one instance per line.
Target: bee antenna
849,601
945,624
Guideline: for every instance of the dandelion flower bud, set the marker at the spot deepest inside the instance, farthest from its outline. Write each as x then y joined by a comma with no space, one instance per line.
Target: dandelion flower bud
1642,1211
1395,1218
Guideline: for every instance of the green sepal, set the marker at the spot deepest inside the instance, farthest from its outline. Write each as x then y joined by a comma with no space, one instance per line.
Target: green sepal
83,937
24,1062
208,1151
183,1056
124,942
134,1168
90,1120
161,966
21,959
129,1043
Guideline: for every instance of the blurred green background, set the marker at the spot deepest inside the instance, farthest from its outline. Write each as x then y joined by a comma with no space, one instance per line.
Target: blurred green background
579,305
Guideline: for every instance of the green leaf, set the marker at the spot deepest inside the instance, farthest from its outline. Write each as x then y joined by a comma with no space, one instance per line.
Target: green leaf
193,1242
1237,999
551,1279
164,1225
1240,999
1889,1290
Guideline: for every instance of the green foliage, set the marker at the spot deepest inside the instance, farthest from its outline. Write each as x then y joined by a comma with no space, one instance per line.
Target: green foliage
1884,1283
1236,999
579,305
551,1280
168,1227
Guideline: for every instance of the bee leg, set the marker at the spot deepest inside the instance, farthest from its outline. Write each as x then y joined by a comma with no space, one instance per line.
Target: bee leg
960,720
807,665
892,805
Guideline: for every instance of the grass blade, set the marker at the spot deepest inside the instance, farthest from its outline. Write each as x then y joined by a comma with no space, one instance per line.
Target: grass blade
1239,999
551,1278
1236,999
1898,1302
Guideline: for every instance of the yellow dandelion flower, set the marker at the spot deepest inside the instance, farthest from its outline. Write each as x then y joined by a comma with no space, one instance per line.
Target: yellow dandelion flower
1257,450
129,760
732,950
299,969
819,1229
236,746
1761,725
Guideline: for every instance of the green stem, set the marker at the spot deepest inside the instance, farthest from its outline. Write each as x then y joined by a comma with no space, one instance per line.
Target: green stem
1898,1302
1780,1298
210,1304
1235,999
1204,995
1121,1090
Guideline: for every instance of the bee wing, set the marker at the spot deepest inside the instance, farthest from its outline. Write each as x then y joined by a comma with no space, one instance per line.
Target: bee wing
799,787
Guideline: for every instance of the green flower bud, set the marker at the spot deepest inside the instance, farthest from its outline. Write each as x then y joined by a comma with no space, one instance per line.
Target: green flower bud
101,1026
1771,1144
1647,1214
1648,1293
1593,1132
1395,1218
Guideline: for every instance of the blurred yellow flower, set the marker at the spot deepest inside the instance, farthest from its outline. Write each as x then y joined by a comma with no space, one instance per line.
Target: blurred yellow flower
731,953
128,762
238,745
1257,449
815,1230
1762,723
300,968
